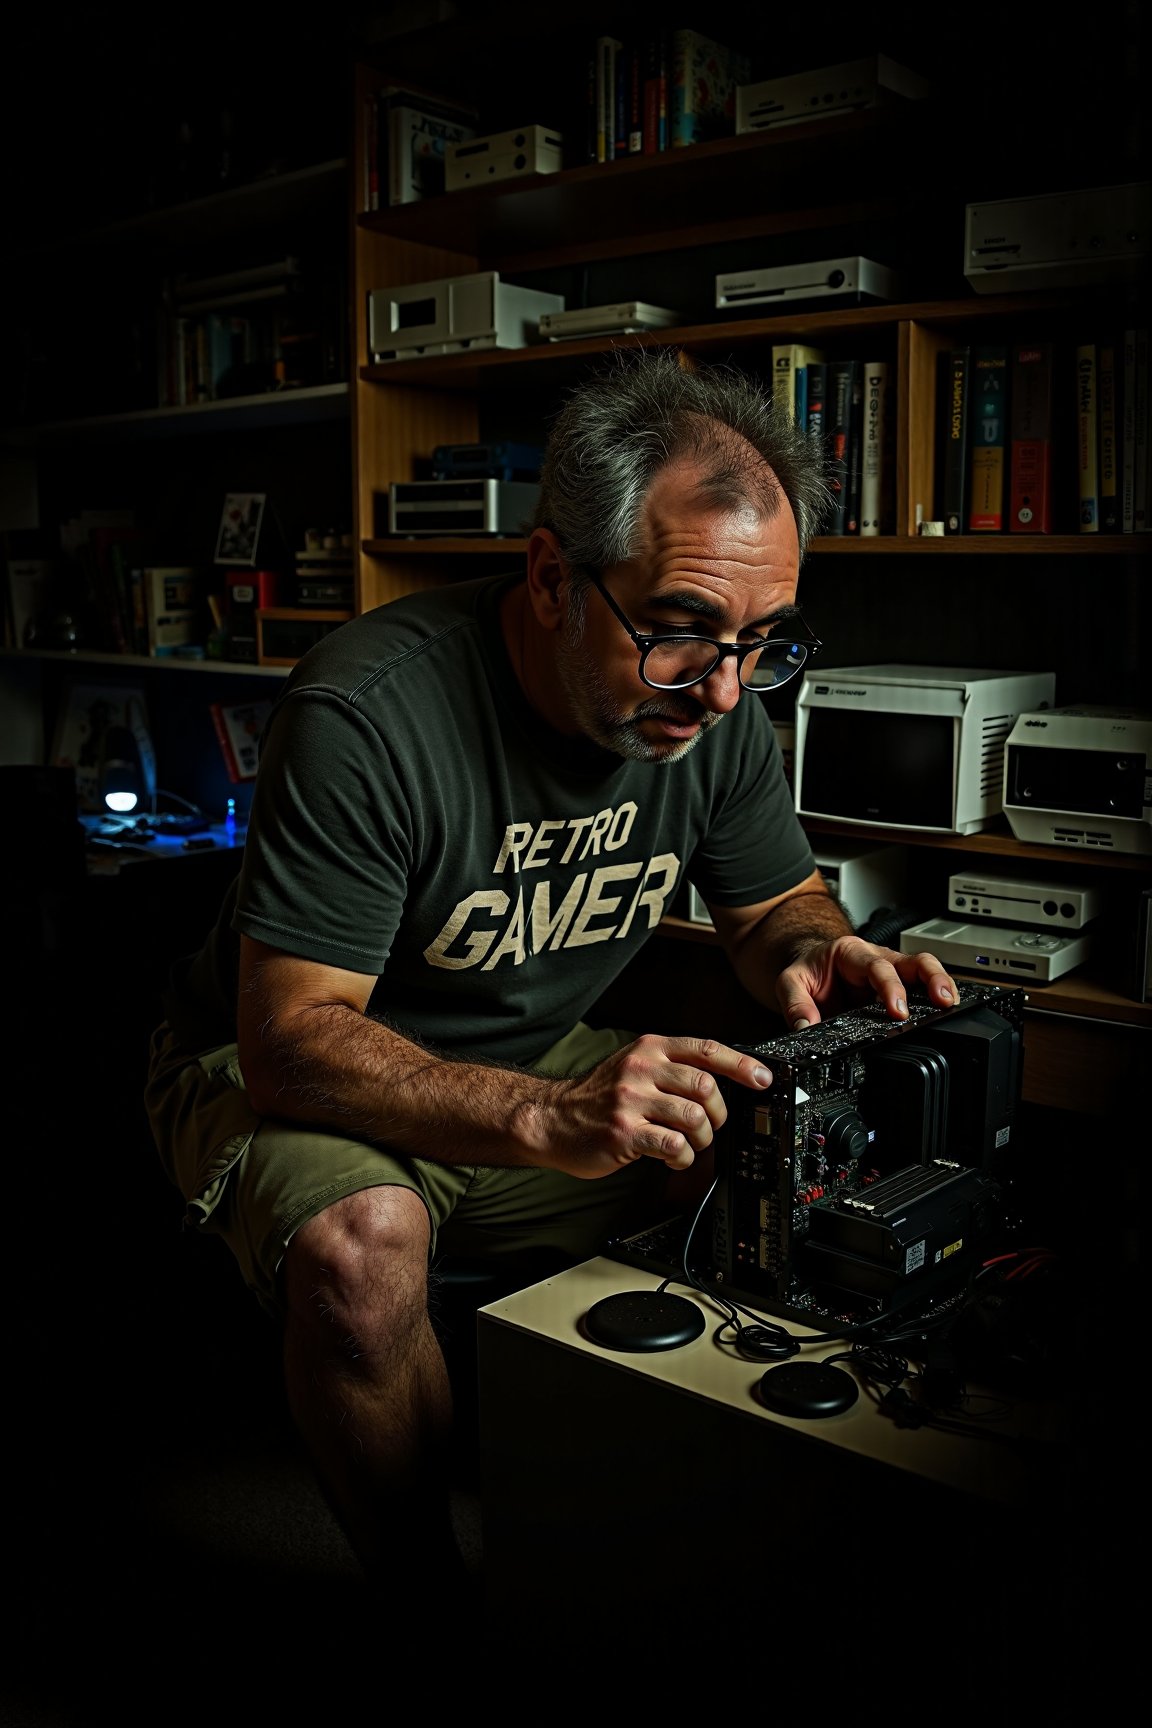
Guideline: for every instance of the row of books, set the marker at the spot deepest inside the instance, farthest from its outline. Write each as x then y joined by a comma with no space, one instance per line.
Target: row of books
661,90
273,326
845,401
1044,437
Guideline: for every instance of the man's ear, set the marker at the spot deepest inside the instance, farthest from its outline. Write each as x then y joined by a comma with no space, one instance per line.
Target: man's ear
547,572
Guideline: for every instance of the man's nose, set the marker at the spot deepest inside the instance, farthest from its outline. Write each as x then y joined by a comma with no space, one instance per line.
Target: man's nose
721,690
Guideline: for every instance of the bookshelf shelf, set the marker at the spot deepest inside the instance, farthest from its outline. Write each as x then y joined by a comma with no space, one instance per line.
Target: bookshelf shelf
91,657
307,406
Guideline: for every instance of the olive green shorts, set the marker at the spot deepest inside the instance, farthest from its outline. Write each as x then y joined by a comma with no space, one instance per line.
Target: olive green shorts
255,1182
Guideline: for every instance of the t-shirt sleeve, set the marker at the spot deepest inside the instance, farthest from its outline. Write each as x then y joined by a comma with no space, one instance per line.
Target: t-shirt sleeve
329,843
755,847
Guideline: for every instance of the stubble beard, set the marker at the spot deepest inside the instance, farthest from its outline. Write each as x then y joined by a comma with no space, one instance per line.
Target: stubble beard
600,717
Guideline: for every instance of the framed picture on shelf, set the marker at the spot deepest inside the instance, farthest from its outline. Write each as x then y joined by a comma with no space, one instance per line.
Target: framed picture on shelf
239,538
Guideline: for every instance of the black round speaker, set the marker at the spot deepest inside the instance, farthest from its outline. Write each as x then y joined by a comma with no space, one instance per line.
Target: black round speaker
643,1320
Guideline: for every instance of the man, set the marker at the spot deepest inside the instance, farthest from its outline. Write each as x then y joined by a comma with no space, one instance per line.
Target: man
472,809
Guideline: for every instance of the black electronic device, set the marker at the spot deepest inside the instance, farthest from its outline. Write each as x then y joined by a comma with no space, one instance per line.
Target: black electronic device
500,460
874,1174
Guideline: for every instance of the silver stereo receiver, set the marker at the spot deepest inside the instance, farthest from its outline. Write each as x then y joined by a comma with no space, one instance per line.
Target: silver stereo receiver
623,317
1063,240
453,315
1055,905
1036,955
503,156
477,506
831,282
1081,778
869,83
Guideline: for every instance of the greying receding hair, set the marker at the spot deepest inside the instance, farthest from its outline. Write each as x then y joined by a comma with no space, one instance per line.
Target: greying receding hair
648,407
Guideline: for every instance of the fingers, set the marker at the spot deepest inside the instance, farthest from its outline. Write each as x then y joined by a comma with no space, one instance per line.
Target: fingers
664,1095
860,965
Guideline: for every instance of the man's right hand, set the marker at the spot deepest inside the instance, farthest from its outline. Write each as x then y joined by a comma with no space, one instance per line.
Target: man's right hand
656,1098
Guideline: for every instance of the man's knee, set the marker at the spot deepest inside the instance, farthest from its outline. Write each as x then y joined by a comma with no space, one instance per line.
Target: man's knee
363,1256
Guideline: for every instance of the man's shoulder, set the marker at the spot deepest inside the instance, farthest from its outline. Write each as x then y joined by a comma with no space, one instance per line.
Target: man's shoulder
383,641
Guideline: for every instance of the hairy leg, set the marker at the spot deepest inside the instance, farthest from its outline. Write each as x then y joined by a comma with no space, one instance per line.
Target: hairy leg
367,1384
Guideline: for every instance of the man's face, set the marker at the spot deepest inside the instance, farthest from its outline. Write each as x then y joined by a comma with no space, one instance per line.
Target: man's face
719,573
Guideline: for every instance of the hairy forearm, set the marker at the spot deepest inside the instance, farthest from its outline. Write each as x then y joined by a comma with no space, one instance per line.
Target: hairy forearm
783,935
331,1067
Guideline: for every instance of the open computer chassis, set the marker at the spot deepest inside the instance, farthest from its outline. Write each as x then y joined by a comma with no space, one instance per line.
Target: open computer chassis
874,1175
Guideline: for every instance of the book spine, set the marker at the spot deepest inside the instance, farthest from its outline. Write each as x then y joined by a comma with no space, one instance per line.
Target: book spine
1140,521
957,382
873,485
817,382
216,709
636,99
1128,433
607,49
1109,451
1087,434
855,451
655,93
1030,443
782,394
839,431
800,396
989,440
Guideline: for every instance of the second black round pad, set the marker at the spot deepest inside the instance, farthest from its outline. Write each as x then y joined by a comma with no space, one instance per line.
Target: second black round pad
643,1320
808,1389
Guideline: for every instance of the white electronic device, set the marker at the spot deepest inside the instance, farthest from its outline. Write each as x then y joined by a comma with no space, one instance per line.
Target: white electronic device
620,318
1060,240
1055,905
863,876
831,281
480,505
503,156
869,83
1081,777
904,746
453,315
1038,955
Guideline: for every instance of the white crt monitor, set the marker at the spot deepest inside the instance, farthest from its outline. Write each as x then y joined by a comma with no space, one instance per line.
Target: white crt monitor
909,747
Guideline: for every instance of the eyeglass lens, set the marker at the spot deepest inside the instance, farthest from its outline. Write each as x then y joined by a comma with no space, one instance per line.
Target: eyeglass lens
684,660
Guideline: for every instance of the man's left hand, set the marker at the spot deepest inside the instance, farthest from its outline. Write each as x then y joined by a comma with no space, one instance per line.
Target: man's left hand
841,973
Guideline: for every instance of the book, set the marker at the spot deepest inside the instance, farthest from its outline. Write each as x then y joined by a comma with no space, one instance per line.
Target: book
855,451
787,360
702,79
380,136
838,430
418,138
608,48
1140,522
815,392
238,728
1108,429
655,92
1128,431
1087,434
1030,438
173,607
988,441
876,468
955,391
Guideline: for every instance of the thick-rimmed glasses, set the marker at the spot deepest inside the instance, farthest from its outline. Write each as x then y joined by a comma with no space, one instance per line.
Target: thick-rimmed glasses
678,660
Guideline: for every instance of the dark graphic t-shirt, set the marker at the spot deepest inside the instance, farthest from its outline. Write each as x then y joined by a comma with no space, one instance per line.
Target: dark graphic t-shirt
416,821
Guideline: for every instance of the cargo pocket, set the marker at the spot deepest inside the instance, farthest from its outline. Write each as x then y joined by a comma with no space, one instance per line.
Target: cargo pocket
217,1124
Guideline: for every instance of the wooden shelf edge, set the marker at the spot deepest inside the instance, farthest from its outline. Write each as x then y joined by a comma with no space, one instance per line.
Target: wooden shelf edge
1076,995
